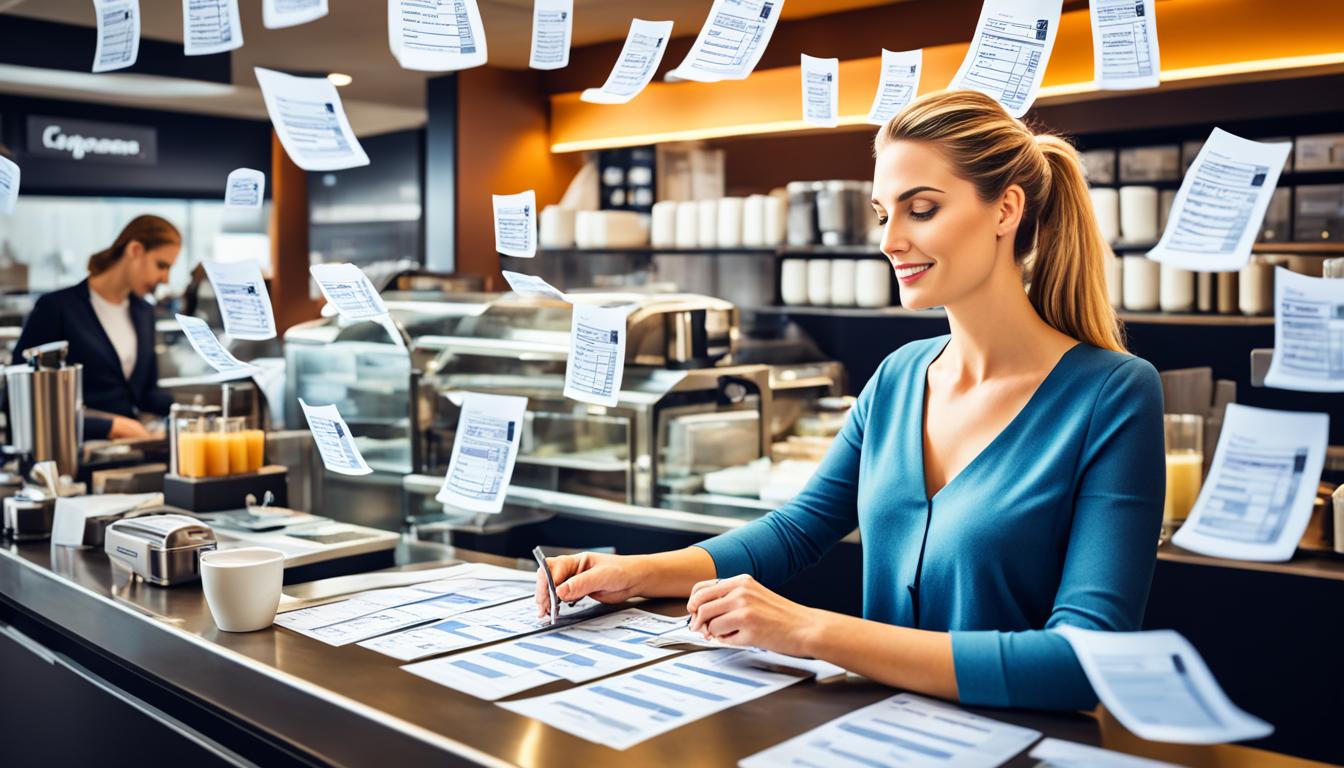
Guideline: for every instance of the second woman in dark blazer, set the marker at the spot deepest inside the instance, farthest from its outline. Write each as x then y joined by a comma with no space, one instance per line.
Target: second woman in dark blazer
110,327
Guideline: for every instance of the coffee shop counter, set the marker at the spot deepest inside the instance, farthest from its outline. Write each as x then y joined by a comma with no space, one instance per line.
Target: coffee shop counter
96,669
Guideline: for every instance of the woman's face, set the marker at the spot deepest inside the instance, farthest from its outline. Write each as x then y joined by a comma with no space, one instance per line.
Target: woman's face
940,237
147,269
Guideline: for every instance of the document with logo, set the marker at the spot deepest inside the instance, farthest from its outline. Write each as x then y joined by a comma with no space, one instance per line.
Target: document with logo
307,115
625,710
243,301
203,340
484,450
1157,685
436,37
210,26
535,287
349,290
898,85
276,14
821,91
904,731
334,441
596,354
1054,753
552,31
577,653
245,188
468,630
516,224
9,185
731,42
1308,333
1008,54
1257,499
643,51
118,34
1221,204
1124,44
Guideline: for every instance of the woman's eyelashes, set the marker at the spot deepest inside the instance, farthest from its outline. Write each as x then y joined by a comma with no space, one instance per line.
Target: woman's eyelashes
925,214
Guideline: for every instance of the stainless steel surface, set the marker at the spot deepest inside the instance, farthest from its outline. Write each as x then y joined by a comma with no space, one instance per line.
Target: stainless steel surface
28,516
46,406
350,706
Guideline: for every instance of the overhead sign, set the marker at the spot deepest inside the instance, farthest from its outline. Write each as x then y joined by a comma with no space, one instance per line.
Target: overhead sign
86,141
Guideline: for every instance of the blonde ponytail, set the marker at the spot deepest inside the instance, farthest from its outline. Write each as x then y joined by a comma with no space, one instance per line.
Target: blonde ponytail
1058,242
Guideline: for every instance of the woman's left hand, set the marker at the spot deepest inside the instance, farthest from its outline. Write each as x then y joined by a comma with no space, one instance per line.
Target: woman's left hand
740,611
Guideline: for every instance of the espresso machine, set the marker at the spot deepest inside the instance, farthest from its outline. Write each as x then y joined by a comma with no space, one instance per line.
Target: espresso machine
46,428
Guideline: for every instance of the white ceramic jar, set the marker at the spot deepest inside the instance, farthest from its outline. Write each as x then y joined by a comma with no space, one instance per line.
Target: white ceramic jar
818,282
872,283
1142,279
843,276
793,282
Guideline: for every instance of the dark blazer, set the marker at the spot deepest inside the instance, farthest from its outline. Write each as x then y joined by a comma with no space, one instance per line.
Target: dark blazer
67,315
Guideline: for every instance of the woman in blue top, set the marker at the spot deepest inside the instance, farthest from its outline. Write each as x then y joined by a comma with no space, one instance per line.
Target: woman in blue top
1005,479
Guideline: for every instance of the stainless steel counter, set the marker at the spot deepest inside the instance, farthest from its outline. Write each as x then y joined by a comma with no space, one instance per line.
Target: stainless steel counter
350,706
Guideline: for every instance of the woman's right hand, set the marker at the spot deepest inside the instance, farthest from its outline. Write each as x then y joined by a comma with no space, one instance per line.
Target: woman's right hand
605,578
124,428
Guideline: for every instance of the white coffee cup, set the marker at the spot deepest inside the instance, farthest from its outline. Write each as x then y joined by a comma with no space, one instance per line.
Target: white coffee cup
242,586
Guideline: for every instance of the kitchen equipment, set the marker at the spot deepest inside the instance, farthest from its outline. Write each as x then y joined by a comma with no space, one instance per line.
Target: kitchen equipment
835,212
1142,278
872,283
802,219
162,549
842,282
776,216
819,282
730,222
28,514
46,407
793,281
707,223
753,221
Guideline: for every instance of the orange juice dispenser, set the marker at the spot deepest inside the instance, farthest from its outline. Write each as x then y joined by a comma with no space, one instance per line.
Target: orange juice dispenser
217,459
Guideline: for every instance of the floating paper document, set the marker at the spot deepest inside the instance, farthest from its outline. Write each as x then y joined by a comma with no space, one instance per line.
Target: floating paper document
1157,686
1008,54
245,188
731,41
552,30
1053,753
436,37
203,340
898,86
475,628
1124,44
243,301
821,91
625,710
528,285
516,224
1308,333
1221,204
349,290
288,13
643,51
901,731
210,26
307,115
577,653
118,34
9,185
484,450
334,441
1257,499
596,354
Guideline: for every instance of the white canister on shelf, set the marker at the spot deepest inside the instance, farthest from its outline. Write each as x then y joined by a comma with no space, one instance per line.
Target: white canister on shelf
842,282
793,281
730,222
776,217
1255,286
753,221
1106,203
688,224
1177,289
1115,286
872,283
663,228
818,282
556,227
1142,279
708,217
584,224
1138,214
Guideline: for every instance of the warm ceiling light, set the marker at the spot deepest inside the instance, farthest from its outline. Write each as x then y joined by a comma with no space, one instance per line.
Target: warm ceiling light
340,79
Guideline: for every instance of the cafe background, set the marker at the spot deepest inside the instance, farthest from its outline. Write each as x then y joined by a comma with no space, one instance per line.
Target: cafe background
439,145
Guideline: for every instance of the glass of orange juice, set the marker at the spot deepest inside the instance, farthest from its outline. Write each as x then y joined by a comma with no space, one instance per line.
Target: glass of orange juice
191,447
236,439
1184,433
216,448
256,448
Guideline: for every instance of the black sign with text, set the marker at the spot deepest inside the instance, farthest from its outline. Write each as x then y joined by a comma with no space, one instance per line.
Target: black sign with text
85,141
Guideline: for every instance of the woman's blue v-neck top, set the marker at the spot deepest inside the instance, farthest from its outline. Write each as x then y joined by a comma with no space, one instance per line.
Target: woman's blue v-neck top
1055,522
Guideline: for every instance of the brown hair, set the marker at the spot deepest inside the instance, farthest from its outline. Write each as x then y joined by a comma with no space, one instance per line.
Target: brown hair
149,231
1058,241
